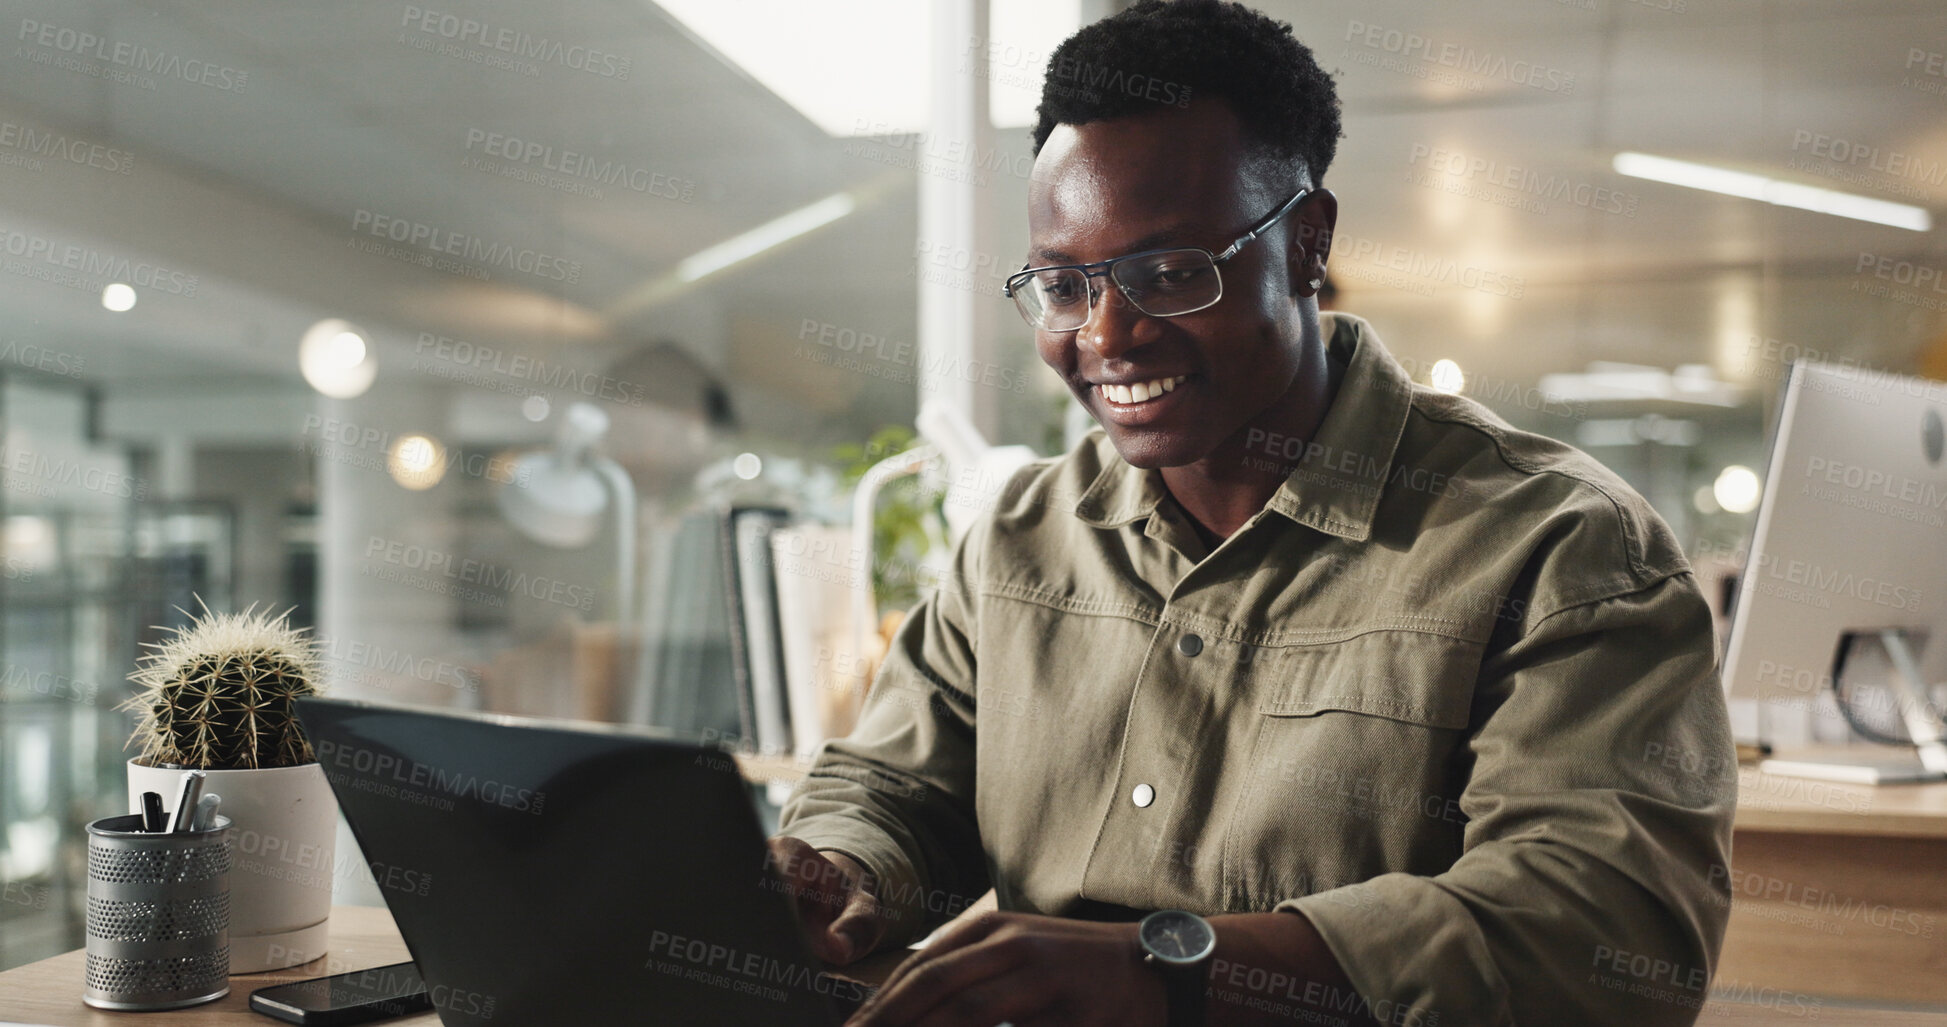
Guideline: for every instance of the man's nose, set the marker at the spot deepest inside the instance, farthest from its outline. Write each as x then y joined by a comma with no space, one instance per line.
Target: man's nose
1112,324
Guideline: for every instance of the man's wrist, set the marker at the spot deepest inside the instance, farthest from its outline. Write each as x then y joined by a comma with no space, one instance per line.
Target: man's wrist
1149,990
1254,949
1179,945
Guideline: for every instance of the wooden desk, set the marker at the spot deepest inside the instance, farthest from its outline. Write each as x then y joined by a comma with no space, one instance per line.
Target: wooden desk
49,992
1838,889
780,768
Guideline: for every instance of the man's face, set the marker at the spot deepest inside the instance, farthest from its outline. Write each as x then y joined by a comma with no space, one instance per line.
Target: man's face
1175,177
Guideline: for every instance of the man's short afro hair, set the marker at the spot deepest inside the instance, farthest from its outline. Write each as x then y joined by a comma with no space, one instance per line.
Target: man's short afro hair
1157,54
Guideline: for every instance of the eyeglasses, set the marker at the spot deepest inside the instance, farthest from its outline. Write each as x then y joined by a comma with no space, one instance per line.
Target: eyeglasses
1160,283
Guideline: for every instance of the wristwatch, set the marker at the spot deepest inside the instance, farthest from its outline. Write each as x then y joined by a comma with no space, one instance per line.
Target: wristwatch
1179,944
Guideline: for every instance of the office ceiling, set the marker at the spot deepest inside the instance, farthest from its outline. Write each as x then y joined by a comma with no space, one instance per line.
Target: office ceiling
265,193
1691,276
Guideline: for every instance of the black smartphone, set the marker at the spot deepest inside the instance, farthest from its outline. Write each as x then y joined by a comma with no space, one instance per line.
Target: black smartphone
360,996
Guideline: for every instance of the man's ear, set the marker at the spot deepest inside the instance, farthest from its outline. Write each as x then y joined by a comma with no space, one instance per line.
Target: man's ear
1311,245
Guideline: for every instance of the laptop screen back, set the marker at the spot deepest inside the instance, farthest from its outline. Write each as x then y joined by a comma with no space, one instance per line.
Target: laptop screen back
546,874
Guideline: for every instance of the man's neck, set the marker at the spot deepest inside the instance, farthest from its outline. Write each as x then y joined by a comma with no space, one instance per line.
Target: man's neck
1234,481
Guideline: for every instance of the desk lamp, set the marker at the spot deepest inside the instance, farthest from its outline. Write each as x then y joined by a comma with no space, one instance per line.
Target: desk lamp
557,496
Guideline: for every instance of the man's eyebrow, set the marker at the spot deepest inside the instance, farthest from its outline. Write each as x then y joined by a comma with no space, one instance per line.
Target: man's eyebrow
1176,234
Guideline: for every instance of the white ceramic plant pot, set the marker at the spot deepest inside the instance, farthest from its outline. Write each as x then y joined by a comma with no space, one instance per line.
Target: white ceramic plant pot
285,828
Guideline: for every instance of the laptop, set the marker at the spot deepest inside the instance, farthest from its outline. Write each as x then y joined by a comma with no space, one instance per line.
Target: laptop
547,872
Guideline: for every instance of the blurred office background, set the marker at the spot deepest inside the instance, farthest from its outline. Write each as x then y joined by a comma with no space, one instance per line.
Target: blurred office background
734,244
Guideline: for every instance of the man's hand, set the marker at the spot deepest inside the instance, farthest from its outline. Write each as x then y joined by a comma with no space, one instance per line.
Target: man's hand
842,917
1026,970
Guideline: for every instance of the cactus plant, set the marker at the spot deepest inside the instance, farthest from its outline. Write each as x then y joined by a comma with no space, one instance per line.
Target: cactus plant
218,694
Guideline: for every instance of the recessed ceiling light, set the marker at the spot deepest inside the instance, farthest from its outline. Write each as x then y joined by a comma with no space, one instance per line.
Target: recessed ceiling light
416,462
118,297
335,359
767,236
1737,489
1770,190
1447,377
345,349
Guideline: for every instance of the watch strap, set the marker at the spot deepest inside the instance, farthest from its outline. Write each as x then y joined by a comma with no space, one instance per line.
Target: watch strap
1183,990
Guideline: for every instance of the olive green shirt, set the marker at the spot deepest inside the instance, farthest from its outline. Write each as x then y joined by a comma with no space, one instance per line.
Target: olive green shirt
1421,697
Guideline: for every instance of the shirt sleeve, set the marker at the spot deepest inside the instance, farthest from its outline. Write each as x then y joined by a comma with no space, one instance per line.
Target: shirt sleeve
897,793
1591,887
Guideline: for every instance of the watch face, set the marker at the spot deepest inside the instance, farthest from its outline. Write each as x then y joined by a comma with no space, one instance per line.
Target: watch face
1174,936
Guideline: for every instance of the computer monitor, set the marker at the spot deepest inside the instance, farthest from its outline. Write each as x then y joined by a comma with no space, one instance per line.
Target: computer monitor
1847,566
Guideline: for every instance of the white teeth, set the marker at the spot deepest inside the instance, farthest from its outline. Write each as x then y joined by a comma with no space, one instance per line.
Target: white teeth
1141,392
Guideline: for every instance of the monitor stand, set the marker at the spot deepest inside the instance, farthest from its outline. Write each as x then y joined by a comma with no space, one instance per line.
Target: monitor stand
1923,726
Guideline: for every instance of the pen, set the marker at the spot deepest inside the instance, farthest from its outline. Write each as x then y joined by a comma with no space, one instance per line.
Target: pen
206,812
192,790
152,819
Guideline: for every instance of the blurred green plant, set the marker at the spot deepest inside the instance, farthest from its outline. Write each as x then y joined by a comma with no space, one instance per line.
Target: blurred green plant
907,521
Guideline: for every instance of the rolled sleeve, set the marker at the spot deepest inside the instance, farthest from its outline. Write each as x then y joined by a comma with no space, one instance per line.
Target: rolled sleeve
1585,891
897,793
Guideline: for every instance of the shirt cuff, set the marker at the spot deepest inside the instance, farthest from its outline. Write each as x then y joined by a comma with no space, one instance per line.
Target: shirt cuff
1411,949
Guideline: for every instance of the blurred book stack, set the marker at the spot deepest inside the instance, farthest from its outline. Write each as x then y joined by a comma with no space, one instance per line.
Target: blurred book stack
750,631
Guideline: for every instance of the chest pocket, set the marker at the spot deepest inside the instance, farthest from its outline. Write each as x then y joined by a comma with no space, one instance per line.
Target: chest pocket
1356,769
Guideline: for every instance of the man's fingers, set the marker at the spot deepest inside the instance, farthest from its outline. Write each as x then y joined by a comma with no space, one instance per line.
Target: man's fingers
930,983
853,933
830,946
965,933
840,915
1025,996
955,937
858,928
1011,999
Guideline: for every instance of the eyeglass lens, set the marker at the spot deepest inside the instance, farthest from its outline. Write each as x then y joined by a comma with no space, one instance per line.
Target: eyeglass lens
1161,284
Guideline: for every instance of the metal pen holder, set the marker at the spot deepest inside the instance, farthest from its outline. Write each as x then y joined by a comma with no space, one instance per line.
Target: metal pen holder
158,915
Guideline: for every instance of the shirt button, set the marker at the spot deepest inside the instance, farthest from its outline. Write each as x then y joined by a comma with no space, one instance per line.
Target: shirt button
1143,796
1189,645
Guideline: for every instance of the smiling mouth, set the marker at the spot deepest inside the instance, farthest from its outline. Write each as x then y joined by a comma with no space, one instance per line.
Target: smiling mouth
1139,392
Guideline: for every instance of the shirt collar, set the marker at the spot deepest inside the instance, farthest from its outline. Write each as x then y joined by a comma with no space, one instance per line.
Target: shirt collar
1336,487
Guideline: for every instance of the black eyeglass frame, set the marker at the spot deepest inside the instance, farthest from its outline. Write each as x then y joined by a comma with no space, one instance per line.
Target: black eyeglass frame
1107,268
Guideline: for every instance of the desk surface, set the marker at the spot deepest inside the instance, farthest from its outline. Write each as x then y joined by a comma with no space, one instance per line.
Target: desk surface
49,992
1773,802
